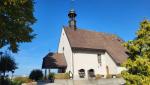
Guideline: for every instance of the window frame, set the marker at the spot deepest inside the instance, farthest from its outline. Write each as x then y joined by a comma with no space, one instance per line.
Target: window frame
81,73
99,59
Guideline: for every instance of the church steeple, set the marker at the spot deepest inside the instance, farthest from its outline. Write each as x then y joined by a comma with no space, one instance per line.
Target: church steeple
72,21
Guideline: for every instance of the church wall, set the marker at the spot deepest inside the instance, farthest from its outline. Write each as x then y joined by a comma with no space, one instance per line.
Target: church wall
64,47
119,69
113,67
86,61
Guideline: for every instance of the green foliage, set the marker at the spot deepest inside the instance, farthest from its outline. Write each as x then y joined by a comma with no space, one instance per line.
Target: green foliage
108,76
15,81
5,81
98,76
20,80
16,18
62,76
138,64
118,76
36,75
51,75
7,63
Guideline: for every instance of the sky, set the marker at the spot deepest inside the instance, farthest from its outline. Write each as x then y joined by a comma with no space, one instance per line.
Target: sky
120,17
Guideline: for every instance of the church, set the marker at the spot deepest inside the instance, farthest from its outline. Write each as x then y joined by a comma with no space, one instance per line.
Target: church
84,54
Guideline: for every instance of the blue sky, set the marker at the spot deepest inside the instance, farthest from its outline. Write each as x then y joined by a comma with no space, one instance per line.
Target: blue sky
120,17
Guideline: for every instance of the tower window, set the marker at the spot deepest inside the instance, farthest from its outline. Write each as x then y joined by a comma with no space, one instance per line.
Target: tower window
99,58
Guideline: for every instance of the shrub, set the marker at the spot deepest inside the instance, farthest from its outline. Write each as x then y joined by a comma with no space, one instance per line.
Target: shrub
21,80
62,76
118,76
36,75
108,76
7,64
51,75
16,83
5,81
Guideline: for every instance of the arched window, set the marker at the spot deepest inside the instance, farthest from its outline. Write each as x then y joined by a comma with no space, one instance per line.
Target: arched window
91,73
81,73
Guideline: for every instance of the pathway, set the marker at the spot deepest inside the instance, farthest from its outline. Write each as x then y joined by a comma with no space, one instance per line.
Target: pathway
116,81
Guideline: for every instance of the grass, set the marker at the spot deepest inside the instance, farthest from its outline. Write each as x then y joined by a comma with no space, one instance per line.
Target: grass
62,76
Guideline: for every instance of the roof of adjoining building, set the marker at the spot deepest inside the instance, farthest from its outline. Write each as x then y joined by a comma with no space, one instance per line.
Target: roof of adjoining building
54,60
79,38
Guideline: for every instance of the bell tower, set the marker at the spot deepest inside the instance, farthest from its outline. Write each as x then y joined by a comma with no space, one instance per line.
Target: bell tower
72,21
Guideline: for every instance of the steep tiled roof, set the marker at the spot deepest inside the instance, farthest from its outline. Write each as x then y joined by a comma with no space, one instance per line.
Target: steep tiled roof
54,60
96,40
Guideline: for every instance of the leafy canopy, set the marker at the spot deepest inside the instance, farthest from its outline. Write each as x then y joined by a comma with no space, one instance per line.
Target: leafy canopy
138,64
16,18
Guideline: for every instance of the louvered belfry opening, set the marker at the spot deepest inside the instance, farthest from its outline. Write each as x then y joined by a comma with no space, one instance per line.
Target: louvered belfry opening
72,21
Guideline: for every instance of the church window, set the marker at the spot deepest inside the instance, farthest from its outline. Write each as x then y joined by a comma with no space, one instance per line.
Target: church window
81,73
91,73
99,58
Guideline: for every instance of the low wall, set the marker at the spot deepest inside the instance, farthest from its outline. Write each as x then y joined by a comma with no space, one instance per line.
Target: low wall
33,83
113,81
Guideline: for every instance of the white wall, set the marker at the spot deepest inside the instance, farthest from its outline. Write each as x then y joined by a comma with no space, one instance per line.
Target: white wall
88,61
110,63
67,50
113,67
85,61
119,69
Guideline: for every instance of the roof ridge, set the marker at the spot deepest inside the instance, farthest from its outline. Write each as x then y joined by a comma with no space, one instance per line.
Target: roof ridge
82,29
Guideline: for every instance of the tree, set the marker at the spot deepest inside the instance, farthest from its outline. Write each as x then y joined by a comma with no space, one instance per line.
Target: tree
7,64
16,18
138,63
36,74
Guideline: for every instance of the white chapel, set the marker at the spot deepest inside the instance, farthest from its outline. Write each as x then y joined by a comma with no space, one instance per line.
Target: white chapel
84,54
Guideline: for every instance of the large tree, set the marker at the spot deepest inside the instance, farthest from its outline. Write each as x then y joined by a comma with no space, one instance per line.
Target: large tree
16,18
138,64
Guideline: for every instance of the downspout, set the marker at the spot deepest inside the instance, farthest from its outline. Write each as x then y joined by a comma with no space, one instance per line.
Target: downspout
72,65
